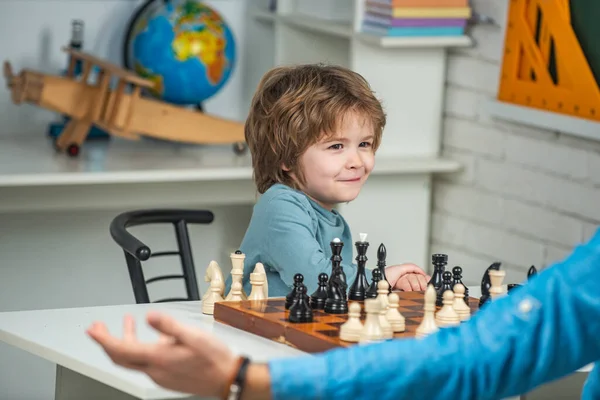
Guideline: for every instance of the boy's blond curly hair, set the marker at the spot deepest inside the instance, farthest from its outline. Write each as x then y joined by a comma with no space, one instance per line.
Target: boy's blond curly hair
297,106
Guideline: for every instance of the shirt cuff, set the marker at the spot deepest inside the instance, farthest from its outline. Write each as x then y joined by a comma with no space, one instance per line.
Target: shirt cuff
298,377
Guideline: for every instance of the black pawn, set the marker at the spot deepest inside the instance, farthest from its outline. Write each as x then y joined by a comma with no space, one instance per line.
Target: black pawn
446,285
381,257
300,310
486,284
532,271
359,287
290,298
318,298
457,275
372,290
439,267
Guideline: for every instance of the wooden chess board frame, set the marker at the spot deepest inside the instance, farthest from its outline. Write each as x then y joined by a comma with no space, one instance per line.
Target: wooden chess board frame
269,319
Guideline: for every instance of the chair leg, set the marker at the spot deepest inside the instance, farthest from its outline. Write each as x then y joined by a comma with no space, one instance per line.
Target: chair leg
138,282
187,261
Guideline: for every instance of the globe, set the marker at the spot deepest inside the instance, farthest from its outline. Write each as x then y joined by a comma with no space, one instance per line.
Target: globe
185,47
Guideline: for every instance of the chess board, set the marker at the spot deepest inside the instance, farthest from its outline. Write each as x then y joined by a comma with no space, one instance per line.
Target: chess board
269,319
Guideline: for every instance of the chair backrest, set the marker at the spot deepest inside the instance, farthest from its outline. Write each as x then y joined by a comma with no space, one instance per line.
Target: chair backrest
136,251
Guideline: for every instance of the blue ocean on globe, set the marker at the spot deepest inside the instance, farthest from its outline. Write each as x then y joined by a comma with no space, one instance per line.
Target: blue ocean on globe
186,48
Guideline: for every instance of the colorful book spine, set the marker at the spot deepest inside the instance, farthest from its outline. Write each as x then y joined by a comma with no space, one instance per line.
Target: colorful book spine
420,3
416,17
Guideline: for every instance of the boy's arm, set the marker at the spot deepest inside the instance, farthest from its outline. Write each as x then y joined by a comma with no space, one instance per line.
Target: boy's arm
540,332
290,244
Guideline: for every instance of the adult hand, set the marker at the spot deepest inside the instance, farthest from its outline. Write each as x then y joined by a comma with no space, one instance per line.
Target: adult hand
184,359
412,278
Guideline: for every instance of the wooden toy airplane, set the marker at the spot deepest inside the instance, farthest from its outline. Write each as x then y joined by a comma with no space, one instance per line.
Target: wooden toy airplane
124,114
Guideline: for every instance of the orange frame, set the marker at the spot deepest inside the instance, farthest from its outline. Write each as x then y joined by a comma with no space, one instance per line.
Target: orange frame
525,79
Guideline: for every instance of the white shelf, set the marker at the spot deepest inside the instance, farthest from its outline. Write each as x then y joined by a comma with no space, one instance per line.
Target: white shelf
574,126
33,162
398,42
333,28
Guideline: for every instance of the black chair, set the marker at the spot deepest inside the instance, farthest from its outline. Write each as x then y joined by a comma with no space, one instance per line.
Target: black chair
136,251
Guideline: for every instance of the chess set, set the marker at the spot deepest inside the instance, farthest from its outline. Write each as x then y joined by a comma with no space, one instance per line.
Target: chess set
340,315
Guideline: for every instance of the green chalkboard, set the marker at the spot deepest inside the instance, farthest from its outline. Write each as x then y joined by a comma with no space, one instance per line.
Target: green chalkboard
585,20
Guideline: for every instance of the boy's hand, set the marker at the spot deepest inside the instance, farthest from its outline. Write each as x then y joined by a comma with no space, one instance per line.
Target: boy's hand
407,277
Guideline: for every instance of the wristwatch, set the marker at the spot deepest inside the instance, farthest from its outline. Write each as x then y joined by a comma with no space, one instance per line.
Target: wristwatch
236,383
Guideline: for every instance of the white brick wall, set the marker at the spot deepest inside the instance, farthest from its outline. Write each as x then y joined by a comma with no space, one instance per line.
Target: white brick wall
526,195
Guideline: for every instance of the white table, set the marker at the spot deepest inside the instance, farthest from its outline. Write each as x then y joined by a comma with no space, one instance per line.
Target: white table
85,372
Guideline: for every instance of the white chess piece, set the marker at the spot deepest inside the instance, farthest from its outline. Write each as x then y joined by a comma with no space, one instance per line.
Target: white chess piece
351,329
213,296
257,280
395,318
459,305
213,273
235,294
259,267
237,272
382,293
428,324
372,331
447,316
496,279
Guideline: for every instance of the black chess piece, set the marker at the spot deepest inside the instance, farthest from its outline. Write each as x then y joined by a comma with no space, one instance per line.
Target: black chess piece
446,285
532,272
301,311
486,284
319,296
457,275
358,289
336,302
439,267
375,278
381,257
289,299
337,271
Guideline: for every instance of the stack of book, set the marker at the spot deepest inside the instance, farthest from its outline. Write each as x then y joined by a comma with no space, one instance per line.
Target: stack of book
416,17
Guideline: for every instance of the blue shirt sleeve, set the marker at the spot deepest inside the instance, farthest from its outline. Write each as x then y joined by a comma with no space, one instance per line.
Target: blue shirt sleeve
542,331
292,244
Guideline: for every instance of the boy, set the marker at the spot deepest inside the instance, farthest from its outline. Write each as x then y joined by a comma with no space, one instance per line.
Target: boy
312,131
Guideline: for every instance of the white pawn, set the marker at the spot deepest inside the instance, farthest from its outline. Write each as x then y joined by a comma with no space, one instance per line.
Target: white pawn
393,314
382,293
260,268
257,280
372,331
459,305
447,316
496,279
428,325
351,329
213,296
235,294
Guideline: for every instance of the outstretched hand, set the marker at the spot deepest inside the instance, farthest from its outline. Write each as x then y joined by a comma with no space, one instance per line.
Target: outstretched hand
184,359
407,277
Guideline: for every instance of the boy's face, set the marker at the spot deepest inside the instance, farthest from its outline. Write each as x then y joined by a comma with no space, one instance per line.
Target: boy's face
336,167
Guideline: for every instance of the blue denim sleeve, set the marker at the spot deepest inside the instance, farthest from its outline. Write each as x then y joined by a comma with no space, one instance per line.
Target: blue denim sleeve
542,331
591,388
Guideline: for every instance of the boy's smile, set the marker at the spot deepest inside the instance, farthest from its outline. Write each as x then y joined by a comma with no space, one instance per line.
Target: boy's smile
336,167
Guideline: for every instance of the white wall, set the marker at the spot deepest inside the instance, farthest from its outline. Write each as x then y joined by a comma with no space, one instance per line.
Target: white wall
527,195
35,270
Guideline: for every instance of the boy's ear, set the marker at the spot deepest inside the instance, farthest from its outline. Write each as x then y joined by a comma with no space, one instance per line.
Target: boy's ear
285,167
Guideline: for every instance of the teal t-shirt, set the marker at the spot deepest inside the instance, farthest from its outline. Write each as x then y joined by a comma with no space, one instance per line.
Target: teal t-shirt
290,233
